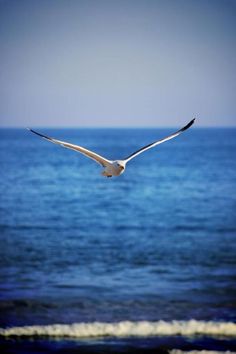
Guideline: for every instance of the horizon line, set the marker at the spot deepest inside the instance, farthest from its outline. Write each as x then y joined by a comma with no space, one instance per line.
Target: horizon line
110,127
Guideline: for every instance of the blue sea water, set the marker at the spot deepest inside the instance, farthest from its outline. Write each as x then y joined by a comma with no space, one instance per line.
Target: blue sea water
156,244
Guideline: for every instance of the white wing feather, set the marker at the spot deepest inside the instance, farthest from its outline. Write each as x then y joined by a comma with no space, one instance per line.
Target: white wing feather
98,158
155,143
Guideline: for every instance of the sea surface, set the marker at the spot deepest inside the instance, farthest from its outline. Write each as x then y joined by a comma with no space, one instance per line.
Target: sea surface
144,262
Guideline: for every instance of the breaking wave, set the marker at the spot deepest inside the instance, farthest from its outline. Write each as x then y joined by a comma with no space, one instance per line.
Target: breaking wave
125,329
177,351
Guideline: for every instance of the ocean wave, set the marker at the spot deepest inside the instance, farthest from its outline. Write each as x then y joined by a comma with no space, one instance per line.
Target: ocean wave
125,329
178,351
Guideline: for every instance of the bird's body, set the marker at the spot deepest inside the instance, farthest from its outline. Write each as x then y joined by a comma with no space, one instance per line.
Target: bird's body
116,167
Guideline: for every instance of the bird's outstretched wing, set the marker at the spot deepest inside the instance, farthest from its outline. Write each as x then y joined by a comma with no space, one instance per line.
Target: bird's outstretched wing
101,160
149,146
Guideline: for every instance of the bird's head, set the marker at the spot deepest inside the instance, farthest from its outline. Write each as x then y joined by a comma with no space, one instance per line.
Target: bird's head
121,165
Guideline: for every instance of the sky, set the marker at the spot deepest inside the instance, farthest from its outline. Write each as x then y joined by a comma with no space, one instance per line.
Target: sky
125,63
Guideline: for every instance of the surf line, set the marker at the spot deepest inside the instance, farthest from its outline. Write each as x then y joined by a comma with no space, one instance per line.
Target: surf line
124,329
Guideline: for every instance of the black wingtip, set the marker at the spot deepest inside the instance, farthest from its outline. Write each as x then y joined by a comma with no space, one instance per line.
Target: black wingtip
42,136
188,125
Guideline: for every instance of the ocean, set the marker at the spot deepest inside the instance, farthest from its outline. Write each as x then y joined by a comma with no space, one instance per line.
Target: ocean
142,263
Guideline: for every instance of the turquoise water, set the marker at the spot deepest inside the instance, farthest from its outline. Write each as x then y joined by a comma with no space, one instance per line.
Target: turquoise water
156,243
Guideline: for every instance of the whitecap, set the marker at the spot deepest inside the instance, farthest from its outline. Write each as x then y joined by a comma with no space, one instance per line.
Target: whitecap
125,329
178,351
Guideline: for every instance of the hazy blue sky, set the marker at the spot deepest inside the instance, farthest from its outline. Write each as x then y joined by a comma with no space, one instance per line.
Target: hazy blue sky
110,63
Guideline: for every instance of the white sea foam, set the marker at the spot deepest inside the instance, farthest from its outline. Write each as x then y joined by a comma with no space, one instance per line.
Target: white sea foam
177,351
125,329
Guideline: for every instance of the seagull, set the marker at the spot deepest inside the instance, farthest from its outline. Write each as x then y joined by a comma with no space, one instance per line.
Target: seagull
116,167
